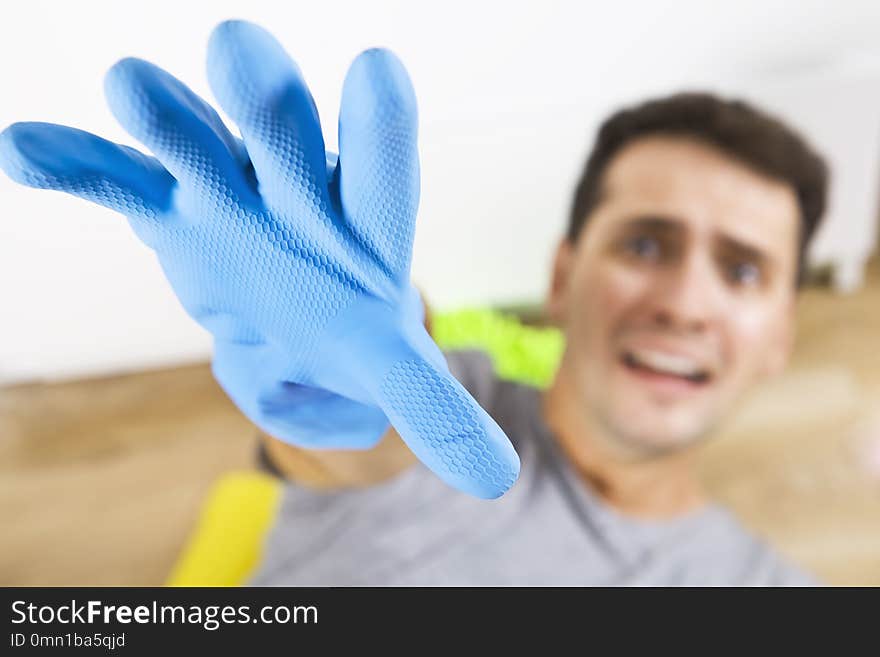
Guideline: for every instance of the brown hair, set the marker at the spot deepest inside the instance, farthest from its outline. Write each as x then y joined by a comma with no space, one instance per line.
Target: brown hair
738,129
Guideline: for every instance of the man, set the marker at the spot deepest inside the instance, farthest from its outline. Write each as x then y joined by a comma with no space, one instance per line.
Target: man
674,286
675,289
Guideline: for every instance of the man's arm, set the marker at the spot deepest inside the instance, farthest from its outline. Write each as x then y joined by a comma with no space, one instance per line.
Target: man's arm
328,469
300,273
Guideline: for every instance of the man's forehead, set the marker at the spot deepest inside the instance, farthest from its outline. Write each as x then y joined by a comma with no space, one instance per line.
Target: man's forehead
700,186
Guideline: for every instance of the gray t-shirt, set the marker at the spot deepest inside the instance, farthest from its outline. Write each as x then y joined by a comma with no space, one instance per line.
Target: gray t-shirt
549,529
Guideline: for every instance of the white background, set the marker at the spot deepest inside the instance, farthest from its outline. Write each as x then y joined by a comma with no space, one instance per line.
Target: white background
509,93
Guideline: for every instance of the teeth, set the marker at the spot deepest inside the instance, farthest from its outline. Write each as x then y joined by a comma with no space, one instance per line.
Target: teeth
667,363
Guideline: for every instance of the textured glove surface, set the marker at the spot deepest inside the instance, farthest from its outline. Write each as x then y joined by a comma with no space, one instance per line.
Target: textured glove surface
295,260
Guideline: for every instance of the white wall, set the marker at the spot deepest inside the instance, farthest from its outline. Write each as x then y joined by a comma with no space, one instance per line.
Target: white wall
509,95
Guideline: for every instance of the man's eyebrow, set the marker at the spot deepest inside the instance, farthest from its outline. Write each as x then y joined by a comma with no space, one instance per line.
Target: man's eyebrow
743,250
654,224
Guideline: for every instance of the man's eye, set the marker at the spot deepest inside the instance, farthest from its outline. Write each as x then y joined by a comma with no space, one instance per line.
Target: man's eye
647,248
744,273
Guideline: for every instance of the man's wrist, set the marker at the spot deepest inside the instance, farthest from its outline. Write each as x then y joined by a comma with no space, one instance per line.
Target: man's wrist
333,469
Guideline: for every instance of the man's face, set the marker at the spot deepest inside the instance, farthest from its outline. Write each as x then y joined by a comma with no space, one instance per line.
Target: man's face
678,294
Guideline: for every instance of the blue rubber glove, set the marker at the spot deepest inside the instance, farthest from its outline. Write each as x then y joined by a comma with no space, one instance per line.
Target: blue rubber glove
297,262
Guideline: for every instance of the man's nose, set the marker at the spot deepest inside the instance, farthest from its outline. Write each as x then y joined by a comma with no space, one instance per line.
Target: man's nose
687,295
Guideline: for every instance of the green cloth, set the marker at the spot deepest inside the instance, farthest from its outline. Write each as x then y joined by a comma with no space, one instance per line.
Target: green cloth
526,354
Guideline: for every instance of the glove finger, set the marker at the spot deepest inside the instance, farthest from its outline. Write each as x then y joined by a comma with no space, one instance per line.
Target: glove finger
300,415
49,156
379,163
184,132
333,180
261,88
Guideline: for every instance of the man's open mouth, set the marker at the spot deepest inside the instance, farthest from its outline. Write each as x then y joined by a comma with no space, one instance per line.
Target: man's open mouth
664,364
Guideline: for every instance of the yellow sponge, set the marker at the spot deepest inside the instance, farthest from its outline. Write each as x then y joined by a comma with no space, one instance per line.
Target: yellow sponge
226,544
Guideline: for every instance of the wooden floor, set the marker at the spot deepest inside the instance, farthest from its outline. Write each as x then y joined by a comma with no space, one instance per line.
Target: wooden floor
101,480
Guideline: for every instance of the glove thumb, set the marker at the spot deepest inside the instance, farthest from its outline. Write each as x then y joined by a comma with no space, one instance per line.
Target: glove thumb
405,374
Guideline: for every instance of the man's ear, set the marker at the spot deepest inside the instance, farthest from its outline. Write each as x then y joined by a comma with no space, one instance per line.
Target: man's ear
557,297
782,341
